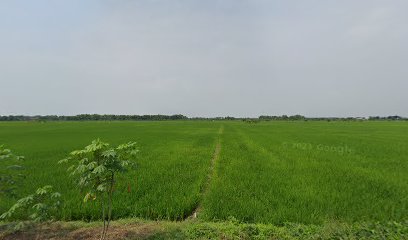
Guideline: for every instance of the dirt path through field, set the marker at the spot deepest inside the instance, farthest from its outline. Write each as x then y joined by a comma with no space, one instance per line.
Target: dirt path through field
210,175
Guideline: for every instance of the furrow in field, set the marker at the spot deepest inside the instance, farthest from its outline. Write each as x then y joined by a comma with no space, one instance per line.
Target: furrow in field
210,175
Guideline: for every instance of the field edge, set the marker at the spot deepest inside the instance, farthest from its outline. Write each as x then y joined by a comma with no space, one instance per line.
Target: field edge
197,229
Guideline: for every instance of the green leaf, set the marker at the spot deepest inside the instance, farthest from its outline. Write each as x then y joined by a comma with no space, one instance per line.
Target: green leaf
89,196
134,152
26,200
39,206
56,195
101,188
65,160
99,169
19,226
6,151
124,163
109,153
43,190
83,161
71,168
77,153
6,215
33,216
92,165
80,169
83,181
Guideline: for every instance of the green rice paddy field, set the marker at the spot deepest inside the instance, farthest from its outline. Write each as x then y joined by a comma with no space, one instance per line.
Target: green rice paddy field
270,172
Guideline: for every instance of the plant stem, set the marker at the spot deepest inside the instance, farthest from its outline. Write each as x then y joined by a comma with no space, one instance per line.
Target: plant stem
103,216
112,182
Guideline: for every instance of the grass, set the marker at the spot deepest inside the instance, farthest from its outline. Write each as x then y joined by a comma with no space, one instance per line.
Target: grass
172,165
311,172
275,172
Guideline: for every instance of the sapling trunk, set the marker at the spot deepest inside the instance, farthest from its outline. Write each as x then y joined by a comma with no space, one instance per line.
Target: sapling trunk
110,199
103,216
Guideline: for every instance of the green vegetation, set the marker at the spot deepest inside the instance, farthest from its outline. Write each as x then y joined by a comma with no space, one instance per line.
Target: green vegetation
8,174
274,172
144,229
311,172
38,207
171,166
96,167
94,117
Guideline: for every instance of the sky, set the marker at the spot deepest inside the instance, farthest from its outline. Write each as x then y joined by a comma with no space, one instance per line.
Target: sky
241,58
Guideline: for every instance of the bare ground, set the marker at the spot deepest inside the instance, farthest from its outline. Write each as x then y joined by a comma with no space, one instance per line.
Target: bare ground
63,231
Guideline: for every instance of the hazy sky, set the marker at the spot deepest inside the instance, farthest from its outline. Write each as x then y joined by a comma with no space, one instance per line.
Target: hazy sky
204,58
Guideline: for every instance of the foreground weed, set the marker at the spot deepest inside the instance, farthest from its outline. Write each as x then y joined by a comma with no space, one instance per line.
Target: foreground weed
38,207
8,176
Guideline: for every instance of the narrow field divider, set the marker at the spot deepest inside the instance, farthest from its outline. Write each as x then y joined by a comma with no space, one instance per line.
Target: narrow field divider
210,175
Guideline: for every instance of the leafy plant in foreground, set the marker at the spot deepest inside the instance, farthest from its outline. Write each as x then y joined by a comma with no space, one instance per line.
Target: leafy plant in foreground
96,167
37,207
8,177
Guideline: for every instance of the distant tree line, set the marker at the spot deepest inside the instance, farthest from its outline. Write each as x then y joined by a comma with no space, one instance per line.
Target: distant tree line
300,117
387,118
111,117
94,117
283,117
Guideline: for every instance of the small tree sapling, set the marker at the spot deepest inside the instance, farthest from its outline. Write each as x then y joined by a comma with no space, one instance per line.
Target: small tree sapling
96,167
